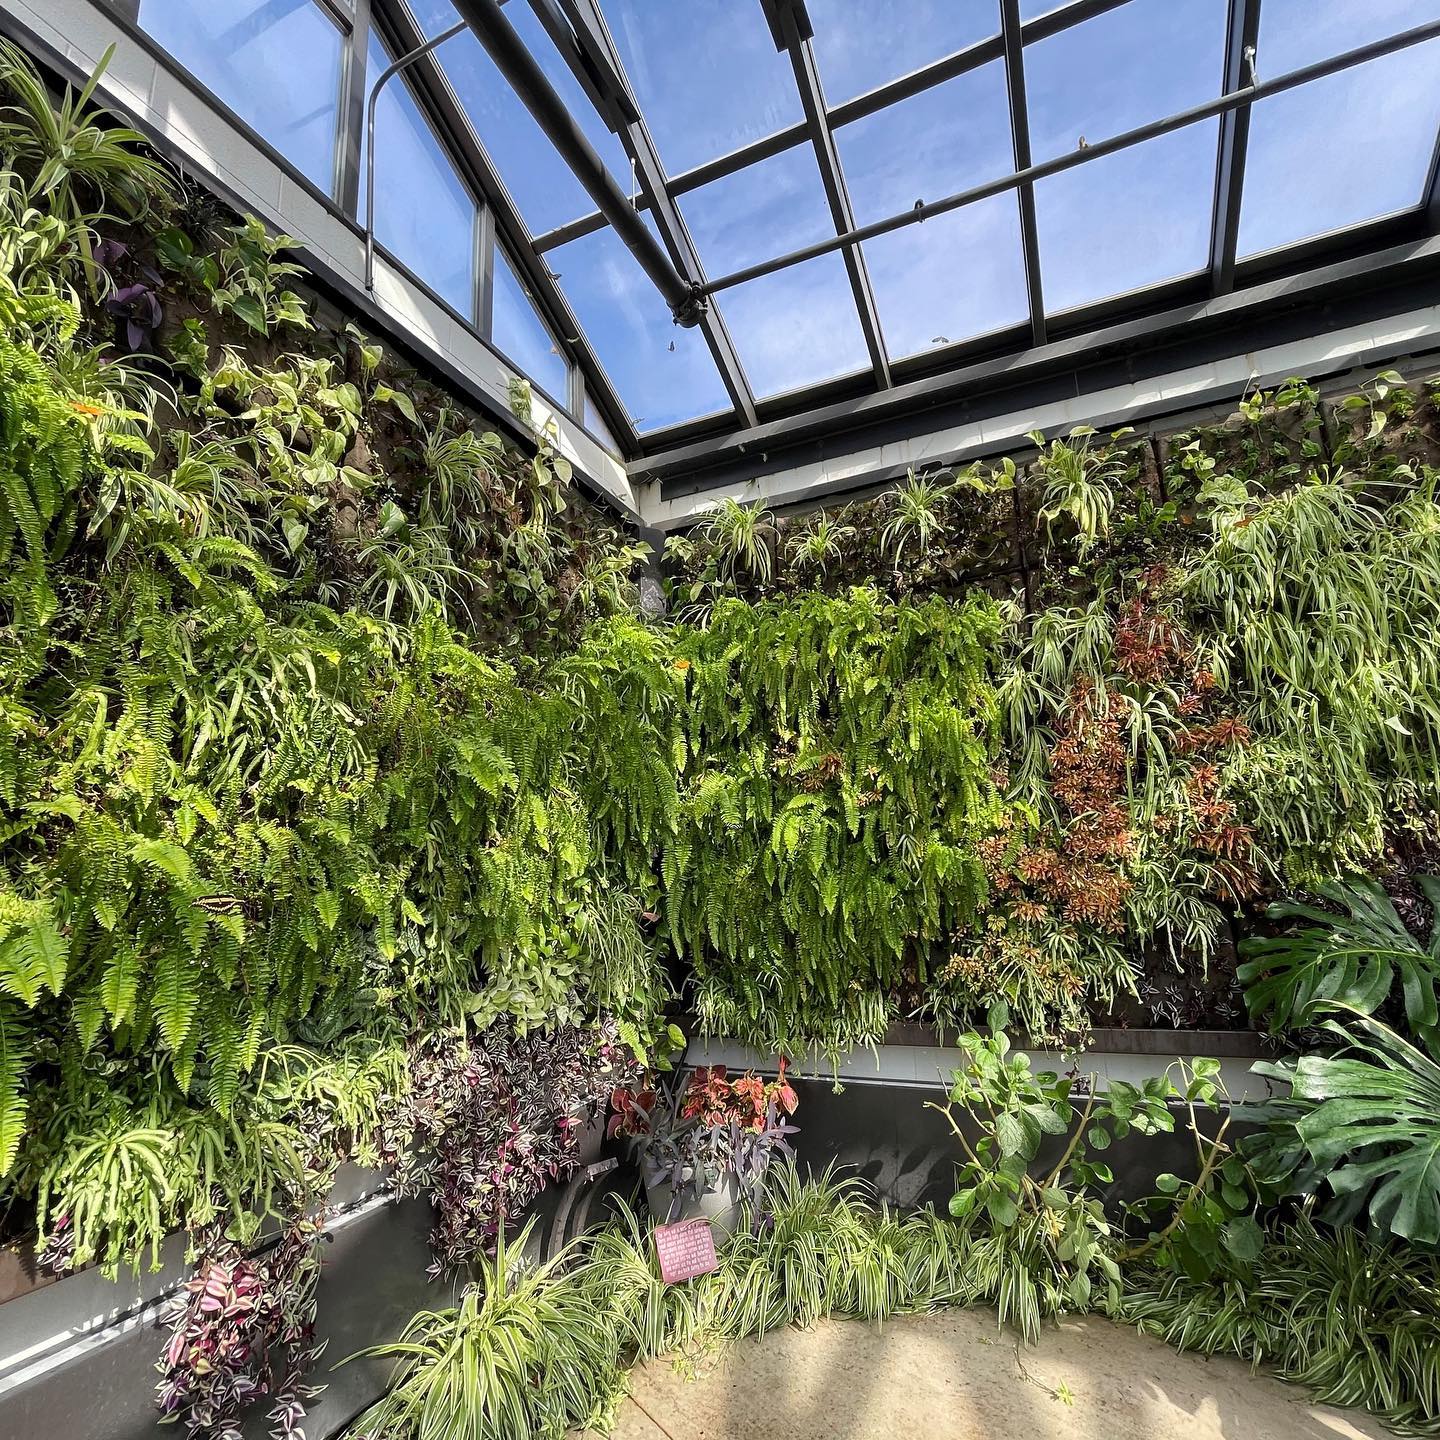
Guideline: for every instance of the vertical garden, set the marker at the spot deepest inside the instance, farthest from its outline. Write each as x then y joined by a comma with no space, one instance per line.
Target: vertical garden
353,810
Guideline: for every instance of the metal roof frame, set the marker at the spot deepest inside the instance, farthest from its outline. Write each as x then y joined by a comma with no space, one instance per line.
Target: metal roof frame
579,31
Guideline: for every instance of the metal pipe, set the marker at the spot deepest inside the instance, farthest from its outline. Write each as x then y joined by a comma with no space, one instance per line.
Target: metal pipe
520,68
404,62
1246,95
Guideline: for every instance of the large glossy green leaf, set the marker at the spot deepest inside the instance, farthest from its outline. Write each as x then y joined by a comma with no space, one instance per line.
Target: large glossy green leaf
1367,1120
1352,959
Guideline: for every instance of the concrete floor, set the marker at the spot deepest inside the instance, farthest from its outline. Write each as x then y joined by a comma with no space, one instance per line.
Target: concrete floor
954,1376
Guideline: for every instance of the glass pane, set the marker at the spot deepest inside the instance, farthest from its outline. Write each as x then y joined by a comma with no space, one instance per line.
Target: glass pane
796,327
276,67
1127,220
799,325
595,424
938,142
663,374
863,43
706,73
1300,32
523,337
423,214
758,212
1142,215
1352,147
1141,62
544,188
952,278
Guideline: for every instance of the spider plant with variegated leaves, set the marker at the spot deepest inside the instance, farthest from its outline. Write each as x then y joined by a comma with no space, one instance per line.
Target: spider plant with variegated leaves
743,537
916,505
1080,484
460,468
409,563
79,165
820,544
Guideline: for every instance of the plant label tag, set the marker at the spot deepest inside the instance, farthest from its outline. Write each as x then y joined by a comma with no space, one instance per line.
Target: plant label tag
685,1249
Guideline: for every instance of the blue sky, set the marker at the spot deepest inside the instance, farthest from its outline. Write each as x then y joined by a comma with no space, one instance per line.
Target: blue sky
709,79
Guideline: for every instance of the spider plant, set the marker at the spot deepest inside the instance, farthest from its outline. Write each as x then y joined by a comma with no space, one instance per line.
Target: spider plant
1080,484
743,537
525,1353
1352,1320
79,164
820,544
916,514
411,563
460,470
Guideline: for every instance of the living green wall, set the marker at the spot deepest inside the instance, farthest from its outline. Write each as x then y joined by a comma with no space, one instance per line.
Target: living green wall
328,722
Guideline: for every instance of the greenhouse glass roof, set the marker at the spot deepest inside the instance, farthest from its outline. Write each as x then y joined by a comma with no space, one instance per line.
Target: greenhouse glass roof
733,134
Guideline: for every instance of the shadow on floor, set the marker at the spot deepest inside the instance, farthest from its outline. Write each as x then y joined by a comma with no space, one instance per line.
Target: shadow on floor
956,1376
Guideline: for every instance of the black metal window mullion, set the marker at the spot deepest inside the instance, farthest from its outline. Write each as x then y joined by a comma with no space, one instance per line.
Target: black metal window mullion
341,12
1242,34
794,35
353,93
589,44
1430,201
432,89
485,275
871,102
1010,32
1090,154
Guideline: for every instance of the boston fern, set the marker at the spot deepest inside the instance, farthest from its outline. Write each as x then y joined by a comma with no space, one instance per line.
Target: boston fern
836,783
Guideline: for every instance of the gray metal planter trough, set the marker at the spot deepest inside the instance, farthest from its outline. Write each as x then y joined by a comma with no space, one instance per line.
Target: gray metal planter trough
77,1356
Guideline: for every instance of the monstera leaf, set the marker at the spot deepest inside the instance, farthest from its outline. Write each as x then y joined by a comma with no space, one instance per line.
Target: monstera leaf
1366,1123
1352,960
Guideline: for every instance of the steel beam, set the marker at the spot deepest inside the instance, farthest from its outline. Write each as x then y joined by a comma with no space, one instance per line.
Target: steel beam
586,45
520,68
1242,34
1207,110
1397,284
960,62
352,110
1010,34
1431,199
794,37
437,97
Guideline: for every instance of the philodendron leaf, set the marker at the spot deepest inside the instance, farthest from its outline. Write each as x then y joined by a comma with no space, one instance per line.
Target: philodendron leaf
1352,960
1366,1121
1243,1238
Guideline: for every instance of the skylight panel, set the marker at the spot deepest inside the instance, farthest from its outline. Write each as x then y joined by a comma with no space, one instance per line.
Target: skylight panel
1142,215
424,215
663,374
279,70
942,140
951,279
706,74
522,335
1352,147
544,188
864,43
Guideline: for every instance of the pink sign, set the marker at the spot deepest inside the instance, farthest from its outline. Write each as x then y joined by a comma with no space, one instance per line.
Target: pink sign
686,1249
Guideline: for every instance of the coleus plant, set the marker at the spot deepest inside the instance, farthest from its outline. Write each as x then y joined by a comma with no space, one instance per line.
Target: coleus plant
693,1139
